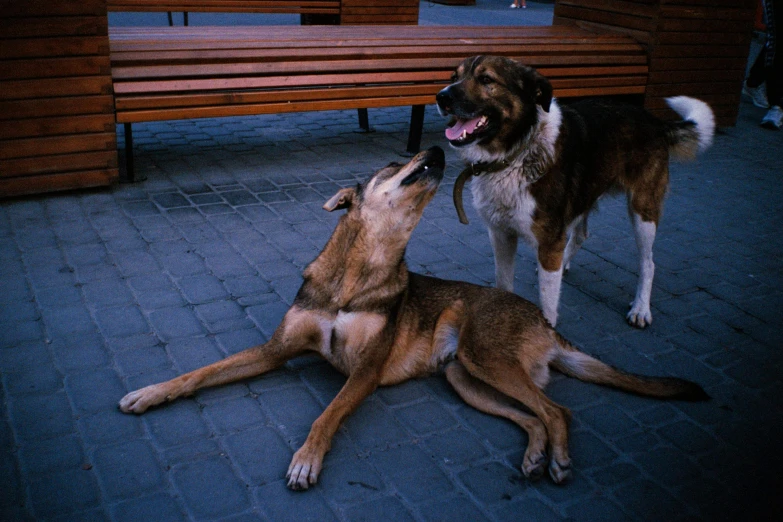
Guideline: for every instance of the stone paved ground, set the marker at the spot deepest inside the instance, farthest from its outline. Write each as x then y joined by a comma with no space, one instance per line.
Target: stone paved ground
105,291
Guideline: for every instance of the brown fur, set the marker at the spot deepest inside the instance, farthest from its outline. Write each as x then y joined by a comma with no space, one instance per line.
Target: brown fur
362,310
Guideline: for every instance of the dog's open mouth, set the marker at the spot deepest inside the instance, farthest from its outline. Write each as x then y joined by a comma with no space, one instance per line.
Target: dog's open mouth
463,131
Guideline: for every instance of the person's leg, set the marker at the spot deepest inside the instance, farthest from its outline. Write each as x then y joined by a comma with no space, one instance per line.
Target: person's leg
774,56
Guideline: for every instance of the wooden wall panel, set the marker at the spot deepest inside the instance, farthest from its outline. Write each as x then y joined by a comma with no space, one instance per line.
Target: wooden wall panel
379,12
57,128
696,47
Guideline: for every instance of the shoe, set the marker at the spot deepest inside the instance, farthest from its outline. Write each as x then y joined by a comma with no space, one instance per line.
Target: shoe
758,95
514,6
774,118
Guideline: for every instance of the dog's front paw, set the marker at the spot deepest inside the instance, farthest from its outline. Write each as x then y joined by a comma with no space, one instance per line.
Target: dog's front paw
640,315
304,469
140,400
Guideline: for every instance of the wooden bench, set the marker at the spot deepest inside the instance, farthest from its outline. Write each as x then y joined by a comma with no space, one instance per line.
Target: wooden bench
330,12
184,72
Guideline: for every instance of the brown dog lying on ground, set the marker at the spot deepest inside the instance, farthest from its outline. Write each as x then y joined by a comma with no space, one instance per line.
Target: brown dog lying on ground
379,324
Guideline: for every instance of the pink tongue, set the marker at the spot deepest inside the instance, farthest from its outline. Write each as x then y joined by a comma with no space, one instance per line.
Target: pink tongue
453,133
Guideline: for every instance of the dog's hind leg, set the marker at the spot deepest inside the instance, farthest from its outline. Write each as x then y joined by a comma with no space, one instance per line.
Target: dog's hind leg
487,399
513,380
300,331
575,240
504,246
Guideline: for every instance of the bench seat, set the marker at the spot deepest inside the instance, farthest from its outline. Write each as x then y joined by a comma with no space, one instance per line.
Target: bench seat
185,72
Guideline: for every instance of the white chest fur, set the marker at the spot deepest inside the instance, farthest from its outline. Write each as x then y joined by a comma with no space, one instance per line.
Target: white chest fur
503,199
504,202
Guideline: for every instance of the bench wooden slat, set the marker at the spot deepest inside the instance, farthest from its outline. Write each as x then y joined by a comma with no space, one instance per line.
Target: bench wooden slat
368,62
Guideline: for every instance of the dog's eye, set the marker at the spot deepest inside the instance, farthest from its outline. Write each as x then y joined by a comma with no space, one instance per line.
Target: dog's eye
485,80
453,78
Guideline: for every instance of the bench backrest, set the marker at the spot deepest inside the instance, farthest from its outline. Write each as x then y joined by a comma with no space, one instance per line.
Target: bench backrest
352,12
229,6
181,72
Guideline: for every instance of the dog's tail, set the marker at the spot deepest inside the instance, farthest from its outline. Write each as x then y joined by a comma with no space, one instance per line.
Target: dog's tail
694,132
574,363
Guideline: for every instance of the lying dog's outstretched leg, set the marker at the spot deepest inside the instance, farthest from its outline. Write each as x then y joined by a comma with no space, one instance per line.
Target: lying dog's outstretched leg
300,330
365,340
487,399
307,461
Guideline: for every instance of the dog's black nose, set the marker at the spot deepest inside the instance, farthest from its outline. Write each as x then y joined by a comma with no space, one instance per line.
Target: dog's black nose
444,99
436,157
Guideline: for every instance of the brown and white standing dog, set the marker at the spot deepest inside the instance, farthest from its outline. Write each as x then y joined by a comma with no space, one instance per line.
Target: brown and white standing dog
540,168
379,324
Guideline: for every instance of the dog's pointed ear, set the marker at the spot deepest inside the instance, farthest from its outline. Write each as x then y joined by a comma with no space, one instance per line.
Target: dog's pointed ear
343,199
543,92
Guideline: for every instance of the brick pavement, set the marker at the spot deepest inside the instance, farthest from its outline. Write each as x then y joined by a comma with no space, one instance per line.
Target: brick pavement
105,291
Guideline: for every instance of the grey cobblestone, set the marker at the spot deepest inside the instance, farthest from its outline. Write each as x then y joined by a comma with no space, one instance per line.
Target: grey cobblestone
105,291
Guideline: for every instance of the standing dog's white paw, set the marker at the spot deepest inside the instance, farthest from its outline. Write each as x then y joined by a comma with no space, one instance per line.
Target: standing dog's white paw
640,315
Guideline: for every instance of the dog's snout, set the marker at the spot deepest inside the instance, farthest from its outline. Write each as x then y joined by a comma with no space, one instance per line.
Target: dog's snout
436,157
445,99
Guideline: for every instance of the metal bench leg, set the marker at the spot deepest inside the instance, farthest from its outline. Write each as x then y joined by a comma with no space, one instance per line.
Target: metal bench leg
186,18
364,120
130,175
417,124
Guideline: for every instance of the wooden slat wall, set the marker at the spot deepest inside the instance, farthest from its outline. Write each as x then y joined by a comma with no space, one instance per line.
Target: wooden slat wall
697,47
379,12
57,128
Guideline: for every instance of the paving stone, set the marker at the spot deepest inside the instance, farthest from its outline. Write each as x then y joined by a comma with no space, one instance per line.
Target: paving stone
414,474
122,321
455,447
50,455
279,502
177,423
158,506
171,323
454,508
94,391
41,416
192,353
210,489
64,492
128,470
388,508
